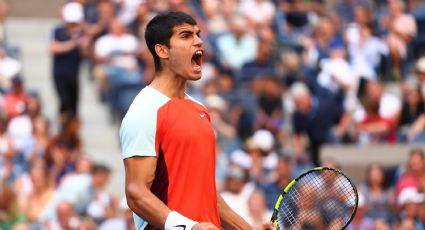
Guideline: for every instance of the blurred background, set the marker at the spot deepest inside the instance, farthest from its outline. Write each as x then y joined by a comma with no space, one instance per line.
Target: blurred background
290,84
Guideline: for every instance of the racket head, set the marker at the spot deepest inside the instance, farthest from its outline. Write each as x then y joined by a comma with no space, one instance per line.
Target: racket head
321,198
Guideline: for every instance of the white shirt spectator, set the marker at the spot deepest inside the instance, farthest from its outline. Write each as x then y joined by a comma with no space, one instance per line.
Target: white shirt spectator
21,133
9,68
110,45
236,52
260,12
239,202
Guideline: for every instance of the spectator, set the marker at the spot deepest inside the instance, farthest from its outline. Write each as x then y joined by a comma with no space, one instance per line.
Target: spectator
66,217
389,105
66,45
360,221
20,130
409,201
237,46
316,118
284,169
42,137
378,200
401,30
36,202
115,55
260,13
124,221
420,74
16,99
374,128
257,207
415,171
78,191
237,191
9,68
260,159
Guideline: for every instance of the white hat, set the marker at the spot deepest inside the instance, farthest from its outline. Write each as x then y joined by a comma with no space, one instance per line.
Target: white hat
263,139
420,65
410,195
72,12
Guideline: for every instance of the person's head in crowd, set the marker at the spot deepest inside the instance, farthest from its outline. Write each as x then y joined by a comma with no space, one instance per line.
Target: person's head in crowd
66,216
41,127
409,201
371,107
412,94
226,82
264,51
331,163
210,88
39,177
236,179
416,162
381,224
362,15
72,14
366,31
375,176
420,70
396,7
264,141
17,85
162,39
105,11
83,164
215,103
301,97
407,224
374,90
285,167
238,25
326,29
34,107
117,28
100,176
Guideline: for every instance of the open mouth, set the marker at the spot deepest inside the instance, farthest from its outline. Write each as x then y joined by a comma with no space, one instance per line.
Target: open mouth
197,60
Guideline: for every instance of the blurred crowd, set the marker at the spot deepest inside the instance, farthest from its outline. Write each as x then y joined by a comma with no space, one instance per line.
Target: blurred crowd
281,78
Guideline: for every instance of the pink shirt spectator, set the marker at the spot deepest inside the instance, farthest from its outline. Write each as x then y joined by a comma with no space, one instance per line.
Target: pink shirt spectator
404,24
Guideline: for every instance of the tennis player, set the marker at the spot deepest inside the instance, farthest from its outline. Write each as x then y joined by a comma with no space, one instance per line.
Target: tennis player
168,144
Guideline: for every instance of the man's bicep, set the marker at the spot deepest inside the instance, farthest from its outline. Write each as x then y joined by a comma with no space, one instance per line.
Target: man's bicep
140,169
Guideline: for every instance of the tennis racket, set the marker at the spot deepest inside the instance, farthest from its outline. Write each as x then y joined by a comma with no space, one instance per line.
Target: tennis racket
321,198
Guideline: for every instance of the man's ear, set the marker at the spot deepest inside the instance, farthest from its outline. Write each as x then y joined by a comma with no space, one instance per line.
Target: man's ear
161,51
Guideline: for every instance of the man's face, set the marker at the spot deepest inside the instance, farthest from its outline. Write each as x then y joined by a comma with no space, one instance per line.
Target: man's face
185,52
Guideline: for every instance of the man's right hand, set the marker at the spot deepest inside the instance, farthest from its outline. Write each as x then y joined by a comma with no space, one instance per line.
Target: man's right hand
204,226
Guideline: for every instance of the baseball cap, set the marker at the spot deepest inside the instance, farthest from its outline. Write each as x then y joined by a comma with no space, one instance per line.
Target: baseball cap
420,65
72,12
263,139
410,195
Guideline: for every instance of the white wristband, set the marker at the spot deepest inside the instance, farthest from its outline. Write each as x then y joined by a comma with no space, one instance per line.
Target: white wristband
176,221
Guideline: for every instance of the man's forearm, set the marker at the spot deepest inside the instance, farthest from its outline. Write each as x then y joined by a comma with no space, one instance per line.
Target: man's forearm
146,205
230,219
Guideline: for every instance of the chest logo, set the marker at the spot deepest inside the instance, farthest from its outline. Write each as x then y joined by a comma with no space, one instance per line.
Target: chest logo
202,115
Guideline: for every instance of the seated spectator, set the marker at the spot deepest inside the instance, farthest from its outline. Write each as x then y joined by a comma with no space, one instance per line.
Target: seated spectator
236,47
378,199
284,170
366,53
78,191
66,217
413,108
262,65
389,104
16,99
36,202
9,68
374,128
41,135
237,191
315,117
123,221
260,13
260,160
401,30
337,80
415,171
20,129
360,221
409,202
115,55
257,208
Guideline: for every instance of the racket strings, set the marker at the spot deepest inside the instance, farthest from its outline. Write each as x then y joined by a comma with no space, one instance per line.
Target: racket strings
319,200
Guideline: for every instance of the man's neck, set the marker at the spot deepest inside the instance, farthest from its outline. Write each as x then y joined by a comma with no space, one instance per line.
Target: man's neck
169,84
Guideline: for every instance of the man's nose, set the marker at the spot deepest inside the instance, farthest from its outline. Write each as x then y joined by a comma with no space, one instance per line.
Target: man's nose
198,41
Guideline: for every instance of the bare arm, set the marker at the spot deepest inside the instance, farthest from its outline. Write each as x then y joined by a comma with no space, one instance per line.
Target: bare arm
229,218
140,173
